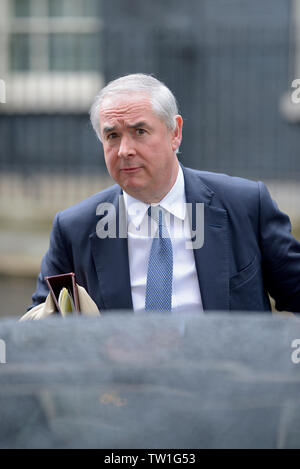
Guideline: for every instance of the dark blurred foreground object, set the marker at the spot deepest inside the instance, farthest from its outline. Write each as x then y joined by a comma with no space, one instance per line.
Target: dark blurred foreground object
125,381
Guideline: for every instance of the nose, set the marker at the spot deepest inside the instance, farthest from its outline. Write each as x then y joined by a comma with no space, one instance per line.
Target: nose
126,148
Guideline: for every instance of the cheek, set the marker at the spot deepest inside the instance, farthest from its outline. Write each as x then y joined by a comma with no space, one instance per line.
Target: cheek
161,146
111,158
153,152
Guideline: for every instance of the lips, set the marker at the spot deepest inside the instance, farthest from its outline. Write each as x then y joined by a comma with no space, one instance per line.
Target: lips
131,170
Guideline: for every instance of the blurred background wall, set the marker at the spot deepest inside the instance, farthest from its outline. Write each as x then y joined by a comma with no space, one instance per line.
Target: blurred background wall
230,63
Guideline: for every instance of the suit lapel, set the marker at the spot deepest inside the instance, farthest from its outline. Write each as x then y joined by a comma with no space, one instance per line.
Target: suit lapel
211,259
111,261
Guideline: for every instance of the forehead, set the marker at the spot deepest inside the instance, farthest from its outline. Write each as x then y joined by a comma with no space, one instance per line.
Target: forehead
126,109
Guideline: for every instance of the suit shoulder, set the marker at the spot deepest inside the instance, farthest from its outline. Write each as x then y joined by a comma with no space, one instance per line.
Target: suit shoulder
225,180
86,209
226,187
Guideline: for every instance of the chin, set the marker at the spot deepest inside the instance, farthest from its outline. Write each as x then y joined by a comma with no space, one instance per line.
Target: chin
133,183
134,189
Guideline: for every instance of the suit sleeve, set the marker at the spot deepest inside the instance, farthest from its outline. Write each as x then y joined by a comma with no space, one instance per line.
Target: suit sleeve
56,261
280,254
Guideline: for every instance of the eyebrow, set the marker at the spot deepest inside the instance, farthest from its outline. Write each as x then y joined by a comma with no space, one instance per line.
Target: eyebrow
137,125
132,126
108,129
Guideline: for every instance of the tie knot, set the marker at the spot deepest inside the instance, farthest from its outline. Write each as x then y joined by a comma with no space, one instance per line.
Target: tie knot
156,212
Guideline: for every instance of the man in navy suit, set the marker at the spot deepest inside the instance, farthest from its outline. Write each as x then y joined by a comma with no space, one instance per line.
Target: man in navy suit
247,252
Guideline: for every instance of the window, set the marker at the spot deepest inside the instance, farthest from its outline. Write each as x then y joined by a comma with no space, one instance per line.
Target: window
52,53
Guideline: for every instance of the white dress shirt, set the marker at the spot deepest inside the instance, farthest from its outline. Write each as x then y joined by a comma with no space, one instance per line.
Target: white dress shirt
186,295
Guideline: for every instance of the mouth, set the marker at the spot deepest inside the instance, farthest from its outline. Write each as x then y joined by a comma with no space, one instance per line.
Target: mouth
131,170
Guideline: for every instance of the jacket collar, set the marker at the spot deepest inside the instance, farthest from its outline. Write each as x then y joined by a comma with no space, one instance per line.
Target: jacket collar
111,258
212,259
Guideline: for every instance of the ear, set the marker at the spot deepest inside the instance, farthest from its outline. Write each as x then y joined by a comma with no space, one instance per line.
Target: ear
177,133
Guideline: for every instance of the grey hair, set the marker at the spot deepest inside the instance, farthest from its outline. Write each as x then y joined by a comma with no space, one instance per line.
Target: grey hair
161,98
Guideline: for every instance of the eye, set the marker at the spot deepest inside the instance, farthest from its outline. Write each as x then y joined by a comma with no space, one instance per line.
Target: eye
140,131
112,136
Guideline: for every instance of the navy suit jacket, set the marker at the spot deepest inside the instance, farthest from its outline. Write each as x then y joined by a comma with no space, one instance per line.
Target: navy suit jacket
248,249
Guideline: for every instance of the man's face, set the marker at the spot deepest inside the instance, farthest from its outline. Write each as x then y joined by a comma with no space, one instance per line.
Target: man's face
139,149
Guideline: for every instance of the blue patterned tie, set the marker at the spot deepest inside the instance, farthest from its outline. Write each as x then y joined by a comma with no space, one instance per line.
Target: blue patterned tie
160,267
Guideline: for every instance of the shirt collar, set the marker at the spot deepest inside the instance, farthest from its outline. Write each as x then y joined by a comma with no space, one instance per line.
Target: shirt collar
173,202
